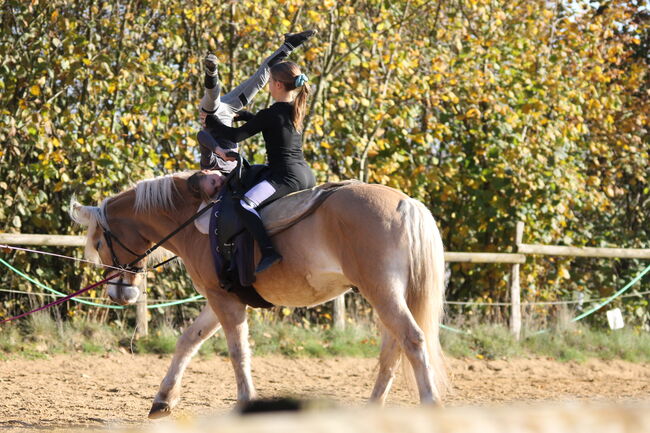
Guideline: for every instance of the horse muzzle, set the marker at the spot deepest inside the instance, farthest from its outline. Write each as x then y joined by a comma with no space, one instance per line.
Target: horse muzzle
123,294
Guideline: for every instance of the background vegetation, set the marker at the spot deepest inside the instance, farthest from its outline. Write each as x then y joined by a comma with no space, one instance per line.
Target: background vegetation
488,111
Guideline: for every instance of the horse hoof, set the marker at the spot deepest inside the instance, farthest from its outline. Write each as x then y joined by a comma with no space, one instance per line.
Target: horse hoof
159,410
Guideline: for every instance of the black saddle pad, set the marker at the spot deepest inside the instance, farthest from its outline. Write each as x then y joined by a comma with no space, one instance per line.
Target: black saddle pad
232,245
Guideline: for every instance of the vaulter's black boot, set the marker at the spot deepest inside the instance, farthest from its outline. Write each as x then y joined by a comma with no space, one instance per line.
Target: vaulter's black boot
210,63
294,40
256,227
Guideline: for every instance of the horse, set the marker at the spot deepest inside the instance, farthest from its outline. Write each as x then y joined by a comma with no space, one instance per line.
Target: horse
368,236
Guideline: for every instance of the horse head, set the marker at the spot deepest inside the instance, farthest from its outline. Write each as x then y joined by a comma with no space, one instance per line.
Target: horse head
114,240
124,227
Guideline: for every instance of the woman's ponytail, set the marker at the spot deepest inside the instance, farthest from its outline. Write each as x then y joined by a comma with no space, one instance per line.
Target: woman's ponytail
289,74
300,106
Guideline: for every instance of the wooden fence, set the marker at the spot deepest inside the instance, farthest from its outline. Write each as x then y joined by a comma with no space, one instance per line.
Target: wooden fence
514,259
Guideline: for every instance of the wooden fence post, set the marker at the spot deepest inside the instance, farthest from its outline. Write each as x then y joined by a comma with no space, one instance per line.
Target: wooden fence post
141,320
339,312
515,288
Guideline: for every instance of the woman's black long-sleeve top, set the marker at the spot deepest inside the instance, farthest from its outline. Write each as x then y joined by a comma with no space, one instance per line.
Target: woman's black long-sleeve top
283,143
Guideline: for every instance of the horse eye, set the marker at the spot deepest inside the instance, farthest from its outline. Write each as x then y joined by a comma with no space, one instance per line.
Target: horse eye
99,243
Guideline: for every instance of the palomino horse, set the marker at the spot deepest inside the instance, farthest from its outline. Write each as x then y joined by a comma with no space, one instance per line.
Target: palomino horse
369,236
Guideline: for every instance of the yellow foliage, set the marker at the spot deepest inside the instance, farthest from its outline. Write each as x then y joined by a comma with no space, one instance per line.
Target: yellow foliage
563,273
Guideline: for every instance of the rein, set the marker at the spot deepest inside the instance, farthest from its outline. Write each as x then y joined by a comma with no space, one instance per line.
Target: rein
62,300
123,268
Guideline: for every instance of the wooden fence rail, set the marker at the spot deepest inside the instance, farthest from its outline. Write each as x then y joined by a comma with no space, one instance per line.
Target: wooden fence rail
561,250
42,240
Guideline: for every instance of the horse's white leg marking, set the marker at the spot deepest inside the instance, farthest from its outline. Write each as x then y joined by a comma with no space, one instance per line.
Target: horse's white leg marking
232,315
388,363
205,325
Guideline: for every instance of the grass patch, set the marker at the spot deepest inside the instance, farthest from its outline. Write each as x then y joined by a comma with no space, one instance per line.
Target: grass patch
574,342
10,339
41,336
313,341
579,342
162,341
302,341
484,341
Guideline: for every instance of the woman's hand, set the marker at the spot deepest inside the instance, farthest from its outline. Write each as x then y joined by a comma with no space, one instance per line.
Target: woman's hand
222,154
243,115
202,116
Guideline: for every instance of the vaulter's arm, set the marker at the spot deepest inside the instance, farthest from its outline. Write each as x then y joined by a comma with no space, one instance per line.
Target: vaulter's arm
254,126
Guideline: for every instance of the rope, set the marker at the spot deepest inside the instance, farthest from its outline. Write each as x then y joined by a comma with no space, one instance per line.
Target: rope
43,286
61,300
575,301
161,302
95,304
52,295
64,257
455,330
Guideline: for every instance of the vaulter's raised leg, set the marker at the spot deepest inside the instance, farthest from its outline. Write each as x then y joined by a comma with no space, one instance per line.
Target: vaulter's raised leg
211,85
205,325
232,315
388,362
243,94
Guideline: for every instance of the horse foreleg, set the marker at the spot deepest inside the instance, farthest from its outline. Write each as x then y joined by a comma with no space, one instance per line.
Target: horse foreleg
232,315
388,363
205,325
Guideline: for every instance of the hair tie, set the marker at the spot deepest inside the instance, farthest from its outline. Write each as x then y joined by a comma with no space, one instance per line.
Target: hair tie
300,80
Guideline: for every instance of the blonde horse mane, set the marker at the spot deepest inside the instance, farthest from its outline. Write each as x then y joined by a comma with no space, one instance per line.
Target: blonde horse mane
155,194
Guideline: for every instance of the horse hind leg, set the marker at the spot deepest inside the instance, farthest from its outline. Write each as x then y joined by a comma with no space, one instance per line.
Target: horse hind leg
395,315
389,358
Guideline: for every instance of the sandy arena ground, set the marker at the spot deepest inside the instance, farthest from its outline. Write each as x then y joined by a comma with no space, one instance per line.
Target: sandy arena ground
117,389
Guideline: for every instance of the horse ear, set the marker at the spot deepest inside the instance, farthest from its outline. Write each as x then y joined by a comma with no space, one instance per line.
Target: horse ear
81,214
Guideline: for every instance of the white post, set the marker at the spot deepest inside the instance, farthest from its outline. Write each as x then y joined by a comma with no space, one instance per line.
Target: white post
515,288
141,322
339,312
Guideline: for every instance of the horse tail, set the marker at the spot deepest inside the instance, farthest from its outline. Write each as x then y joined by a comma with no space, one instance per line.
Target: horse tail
425,293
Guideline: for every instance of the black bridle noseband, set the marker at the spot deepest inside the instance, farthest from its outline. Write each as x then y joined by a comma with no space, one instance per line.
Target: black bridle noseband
109,236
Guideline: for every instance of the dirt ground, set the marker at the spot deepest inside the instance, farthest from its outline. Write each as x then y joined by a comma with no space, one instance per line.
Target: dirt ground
117,389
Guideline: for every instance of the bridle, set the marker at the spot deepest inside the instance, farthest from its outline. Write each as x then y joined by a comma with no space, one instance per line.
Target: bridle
109,236
130,267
